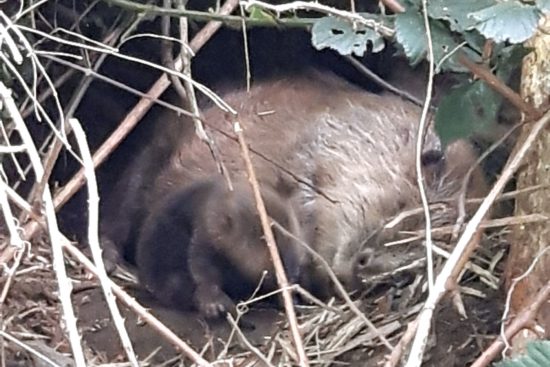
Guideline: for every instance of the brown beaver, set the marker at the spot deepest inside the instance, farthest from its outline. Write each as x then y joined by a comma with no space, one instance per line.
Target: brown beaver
444,174
349,153
203,246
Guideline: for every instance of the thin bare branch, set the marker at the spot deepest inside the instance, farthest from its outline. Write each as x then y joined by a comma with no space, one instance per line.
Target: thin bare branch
272,246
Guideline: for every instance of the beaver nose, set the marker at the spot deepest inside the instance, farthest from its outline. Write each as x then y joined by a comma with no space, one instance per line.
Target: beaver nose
348,280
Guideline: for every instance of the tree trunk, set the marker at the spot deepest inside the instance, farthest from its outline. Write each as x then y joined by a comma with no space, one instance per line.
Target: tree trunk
529,240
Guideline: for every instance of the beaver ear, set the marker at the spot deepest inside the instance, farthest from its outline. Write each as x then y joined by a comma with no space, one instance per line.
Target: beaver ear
432,157
433,164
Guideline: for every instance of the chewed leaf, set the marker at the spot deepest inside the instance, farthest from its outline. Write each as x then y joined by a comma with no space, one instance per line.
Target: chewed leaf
344,37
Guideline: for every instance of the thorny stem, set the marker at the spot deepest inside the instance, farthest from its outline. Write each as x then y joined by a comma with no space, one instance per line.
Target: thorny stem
325,9
229,20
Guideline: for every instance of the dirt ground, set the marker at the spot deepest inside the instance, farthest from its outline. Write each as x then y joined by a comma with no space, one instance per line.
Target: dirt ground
333,335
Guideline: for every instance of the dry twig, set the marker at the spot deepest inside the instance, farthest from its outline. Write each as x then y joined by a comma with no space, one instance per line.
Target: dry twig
93,240
274,252
440,287
521,321
131,120
57,252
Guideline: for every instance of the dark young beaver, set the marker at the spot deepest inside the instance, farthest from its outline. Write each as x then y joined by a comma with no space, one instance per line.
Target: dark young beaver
203,246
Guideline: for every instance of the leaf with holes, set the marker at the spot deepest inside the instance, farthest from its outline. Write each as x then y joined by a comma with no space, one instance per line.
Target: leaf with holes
344,37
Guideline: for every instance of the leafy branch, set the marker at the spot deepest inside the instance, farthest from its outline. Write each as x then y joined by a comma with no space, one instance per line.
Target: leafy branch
233,21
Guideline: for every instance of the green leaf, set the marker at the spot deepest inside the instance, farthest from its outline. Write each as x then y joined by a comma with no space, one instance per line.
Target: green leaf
507,21
257,13
508,59
538,355
411,34
457,13
475,40
543,5
467,110
341,35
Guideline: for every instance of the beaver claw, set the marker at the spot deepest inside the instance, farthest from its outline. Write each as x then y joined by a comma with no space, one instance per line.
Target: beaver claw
213,302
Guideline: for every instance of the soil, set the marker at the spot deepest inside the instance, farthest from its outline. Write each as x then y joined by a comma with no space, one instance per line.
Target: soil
31,314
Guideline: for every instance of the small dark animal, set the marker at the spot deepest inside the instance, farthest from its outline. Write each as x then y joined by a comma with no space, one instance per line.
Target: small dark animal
203,246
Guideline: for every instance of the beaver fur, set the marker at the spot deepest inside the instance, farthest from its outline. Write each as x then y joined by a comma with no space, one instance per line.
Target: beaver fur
349,155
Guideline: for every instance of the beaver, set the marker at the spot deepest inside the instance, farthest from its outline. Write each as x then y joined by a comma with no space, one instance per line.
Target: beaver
202,247
350,155
127,204
444,174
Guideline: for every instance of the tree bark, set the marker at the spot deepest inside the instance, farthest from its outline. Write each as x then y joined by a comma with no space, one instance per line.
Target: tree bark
529,240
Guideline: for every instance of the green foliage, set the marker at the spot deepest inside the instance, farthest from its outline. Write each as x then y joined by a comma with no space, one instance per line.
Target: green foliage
343,36
507,21
466,110
538,355
457,13
463,27
257,13
543,5
458,28
467,23
473,108
507,58
411,35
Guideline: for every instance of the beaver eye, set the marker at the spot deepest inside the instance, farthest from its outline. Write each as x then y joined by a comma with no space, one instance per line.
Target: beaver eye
362,261
364,258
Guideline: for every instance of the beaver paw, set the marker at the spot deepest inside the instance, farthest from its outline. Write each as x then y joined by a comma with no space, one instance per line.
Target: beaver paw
111,255
212,302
